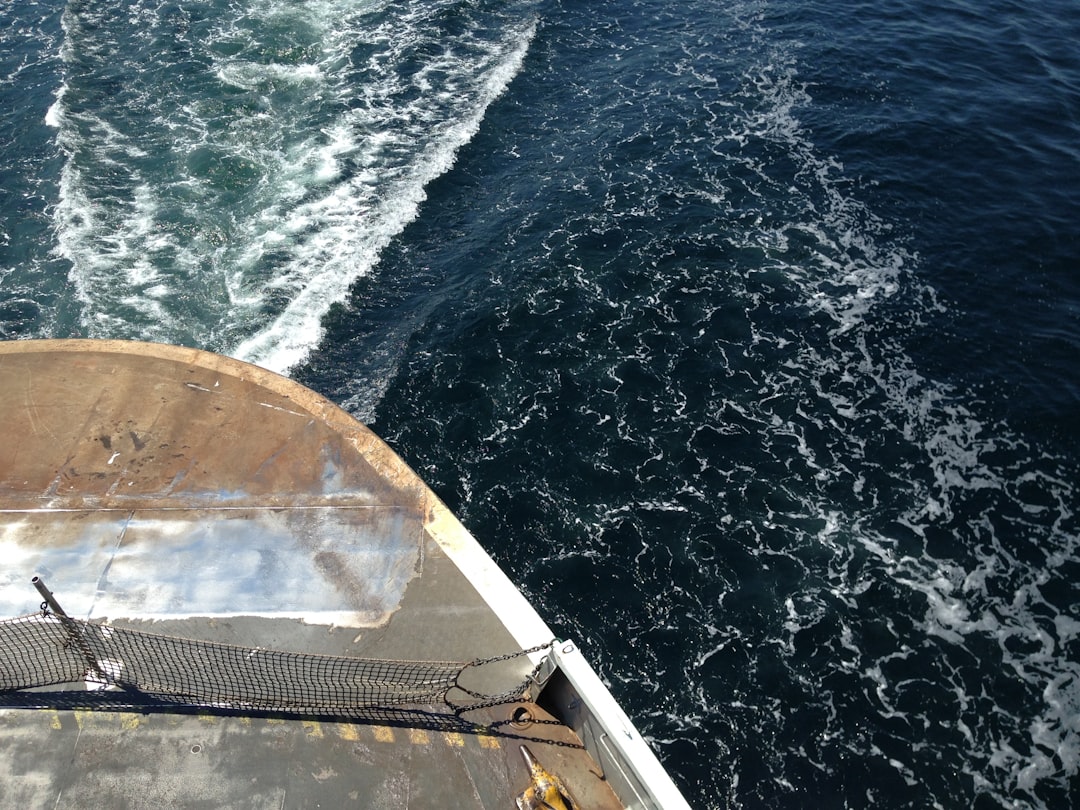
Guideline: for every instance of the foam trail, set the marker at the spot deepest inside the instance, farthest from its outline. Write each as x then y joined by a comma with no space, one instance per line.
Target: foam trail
347,250
229,175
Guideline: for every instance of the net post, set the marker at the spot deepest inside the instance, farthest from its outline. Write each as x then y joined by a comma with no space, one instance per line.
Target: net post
70,626
47,595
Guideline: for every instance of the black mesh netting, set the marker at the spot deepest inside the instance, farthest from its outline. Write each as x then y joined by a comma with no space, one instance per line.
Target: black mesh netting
45,650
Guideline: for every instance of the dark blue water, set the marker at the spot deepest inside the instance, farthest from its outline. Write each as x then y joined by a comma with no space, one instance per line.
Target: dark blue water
744,335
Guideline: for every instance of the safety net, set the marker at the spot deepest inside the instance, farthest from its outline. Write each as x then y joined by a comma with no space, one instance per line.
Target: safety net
45,649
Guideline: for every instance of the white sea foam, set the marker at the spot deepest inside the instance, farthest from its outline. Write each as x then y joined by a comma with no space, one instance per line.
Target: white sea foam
342,251
53,117
852,407
265,189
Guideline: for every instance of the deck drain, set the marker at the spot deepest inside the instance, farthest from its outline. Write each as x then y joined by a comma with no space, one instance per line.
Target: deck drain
521,718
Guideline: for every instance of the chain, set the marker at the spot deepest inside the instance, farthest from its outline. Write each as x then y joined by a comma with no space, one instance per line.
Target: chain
510,696
547,645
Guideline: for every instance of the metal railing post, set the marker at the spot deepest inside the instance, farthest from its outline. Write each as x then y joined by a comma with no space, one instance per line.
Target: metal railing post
71,627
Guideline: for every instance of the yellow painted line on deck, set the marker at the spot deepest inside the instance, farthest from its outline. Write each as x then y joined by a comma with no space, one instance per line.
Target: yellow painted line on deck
129,721
383,734
347,731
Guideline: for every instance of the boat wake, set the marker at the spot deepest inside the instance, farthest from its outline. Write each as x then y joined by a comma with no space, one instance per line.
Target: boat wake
230,171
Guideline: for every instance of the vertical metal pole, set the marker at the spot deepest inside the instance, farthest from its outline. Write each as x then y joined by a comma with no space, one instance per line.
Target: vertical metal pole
71,627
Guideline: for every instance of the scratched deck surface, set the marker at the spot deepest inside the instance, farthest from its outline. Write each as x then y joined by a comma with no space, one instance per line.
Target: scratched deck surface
179,492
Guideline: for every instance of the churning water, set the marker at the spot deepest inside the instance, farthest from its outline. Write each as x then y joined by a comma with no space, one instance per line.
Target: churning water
745,335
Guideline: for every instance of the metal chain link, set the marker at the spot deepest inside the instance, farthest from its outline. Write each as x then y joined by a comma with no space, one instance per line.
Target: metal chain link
510,696
547,645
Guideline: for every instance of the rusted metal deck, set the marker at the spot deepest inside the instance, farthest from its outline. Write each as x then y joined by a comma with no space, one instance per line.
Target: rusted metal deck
175,491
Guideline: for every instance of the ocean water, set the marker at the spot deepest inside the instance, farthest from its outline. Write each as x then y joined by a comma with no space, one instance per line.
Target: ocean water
744,335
